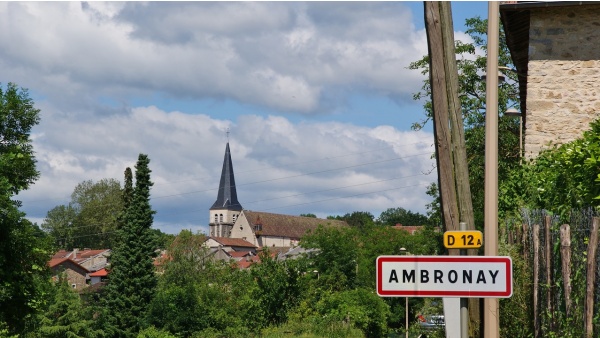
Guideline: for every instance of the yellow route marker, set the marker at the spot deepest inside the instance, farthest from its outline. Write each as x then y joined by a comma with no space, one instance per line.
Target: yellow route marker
470,239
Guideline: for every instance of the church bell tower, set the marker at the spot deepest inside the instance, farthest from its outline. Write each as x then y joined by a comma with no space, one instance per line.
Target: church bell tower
226,209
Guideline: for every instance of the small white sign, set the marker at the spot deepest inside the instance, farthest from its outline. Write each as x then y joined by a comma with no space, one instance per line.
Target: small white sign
444,276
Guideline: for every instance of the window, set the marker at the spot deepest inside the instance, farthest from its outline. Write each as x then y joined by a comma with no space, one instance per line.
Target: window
216,218
234,217
221,218
74,285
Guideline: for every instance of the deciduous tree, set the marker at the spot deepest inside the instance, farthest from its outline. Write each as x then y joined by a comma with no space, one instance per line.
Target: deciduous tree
90,219
24,252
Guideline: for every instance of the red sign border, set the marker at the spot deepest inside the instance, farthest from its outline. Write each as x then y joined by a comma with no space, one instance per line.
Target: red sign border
445,259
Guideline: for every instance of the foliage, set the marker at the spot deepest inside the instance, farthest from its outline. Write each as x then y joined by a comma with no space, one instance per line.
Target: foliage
132,280
152,332
472,96
393,216
338,254
90,219
361,308
197,295
276,290
561,178
24,250
306,329
64,317
308,215
17,116
516,312
358,219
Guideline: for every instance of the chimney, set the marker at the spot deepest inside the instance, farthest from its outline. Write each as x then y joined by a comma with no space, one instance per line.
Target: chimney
75,250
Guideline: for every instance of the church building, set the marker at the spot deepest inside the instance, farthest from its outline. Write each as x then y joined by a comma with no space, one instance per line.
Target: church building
229,220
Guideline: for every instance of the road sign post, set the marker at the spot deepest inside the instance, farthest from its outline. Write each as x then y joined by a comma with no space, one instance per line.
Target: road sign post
444,276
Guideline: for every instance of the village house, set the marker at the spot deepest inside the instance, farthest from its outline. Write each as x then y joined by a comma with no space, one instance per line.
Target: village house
553,47
76,274
80,266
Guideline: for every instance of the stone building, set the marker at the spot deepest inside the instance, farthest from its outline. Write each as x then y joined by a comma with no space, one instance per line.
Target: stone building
554,47
76,274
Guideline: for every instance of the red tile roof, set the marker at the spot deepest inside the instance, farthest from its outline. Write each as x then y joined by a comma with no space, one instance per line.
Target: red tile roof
81,255
54,262
233,242
244,264
293,227
99,273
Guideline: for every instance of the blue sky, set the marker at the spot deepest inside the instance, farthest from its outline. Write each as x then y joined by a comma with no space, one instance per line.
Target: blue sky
317,98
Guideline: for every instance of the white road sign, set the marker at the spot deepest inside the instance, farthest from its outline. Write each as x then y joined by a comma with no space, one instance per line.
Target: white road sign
444,276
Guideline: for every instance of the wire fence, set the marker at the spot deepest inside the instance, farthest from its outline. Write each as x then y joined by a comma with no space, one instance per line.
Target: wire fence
565,299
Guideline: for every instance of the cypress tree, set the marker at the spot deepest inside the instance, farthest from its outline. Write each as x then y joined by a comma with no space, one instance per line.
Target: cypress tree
127,189
132,280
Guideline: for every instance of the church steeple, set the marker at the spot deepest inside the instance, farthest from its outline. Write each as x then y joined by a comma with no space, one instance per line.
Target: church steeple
226,209
227,196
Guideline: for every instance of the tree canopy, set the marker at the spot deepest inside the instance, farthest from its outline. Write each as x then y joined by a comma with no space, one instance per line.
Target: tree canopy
24,250
90,220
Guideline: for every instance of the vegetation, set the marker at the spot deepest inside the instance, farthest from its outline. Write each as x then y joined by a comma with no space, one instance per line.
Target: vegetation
90,219
472,97
329,293
132,278
24,250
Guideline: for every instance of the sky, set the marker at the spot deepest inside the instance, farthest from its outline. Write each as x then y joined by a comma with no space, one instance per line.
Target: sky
314,98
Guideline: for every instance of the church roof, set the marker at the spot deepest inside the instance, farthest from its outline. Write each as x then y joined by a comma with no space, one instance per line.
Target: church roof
226,241
227,196
286,225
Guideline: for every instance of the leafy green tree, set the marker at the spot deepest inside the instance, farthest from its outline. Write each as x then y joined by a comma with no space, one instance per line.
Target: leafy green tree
393,216
90,219
309,215
196,293
358,219
24,252
132,280
360,307
65,316
17,116
337,258
276,290
472,96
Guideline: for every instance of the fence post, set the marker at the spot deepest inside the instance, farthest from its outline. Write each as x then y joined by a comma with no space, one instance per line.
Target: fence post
591,276
548,225
525,239
565,255
536,277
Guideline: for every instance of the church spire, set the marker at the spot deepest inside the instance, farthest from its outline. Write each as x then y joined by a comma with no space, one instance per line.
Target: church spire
227,196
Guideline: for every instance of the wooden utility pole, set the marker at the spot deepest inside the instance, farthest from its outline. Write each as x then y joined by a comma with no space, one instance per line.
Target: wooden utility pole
453,172
441,125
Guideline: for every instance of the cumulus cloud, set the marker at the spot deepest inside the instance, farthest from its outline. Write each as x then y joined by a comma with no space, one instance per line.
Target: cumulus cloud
117,79
283,167
279,56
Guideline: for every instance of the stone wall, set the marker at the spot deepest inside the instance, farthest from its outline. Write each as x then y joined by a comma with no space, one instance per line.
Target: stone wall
563,82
